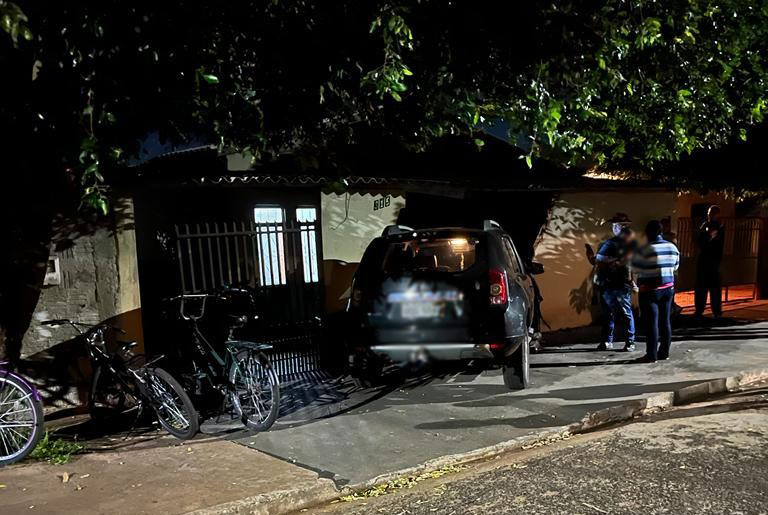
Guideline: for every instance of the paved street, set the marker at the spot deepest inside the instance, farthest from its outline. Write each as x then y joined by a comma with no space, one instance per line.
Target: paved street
706,459
352,436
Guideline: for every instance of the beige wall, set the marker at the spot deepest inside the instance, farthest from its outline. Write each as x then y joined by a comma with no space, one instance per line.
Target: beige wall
579,218
350,222
575,220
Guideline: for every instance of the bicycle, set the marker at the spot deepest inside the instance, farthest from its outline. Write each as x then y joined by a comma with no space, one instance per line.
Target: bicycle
243,375
21,417
119,382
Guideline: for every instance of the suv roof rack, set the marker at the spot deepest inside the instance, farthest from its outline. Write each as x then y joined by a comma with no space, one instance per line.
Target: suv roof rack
392,230
489,225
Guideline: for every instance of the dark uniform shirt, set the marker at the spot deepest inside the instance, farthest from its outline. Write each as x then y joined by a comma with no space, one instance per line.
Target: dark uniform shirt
610,276
711,249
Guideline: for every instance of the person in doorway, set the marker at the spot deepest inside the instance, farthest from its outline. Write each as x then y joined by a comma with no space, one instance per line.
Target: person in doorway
655,265
614,281
710,240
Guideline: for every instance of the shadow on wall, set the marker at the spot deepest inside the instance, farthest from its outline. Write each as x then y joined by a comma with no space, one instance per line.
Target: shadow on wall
62,373
561,250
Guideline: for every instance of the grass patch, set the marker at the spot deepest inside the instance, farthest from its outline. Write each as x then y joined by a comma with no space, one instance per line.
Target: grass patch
56,450
403,482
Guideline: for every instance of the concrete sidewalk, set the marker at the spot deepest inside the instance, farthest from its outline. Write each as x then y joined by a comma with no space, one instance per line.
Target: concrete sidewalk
354,436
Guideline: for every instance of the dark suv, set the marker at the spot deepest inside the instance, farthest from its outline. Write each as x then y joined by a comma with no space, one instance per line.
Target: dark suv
443,294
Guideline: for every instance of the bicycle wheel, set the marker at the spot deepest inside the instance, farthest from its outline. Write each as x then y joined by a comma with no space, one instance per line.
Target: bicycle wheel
256,396
21,419
174,410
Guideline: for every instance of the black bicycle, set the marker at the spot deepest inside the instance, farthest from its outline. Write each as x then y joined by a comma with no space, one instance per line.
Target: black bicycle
124,382
243,374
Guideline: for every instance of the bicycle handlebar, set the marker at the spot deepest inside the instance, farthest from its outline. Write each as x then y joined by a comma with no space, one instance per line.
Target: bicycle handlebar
221,294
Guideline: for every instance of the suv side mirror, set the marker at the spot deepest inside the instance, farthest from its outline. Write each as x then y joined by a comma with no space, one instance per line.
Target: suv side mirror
535,268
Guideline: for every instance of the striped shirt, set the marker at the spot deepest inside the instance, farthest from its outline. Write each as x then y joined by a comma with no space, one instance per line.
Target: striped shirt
655,265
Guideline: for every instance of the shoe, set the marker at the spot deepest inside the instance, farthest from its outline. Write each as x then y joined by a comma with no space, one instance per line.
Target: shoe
663,358
629,347
645,359
605,346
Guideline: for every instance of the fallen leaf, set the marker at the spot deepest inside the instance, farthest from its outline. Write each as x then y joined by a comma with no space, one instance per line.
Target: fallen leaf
64,477
85,476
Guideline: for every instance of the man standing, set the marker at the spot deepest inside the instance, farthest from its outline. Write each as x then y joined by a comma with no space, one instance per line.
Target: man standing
655,265
710,240
615,283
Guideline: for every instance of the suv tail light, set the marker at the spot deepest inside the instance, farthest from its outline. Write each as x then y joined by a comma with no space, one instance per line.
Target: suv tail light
497,278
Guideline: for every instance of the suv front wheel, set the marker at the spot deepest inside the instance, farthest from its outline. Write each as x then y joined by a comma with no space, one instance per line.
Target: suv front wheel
516,369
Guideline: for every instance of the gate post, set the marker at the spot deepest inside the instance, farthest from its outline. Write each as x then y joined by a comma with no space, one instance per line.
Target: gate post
762,261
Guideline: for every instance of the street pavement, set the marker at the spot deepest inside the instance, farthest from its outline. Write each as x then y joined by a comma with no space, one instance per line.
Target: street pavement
709,459
352,435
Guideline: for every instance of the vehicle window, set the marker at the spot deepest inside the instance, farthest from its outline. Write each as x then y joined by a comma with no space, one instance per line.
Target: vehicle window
438,255
512,257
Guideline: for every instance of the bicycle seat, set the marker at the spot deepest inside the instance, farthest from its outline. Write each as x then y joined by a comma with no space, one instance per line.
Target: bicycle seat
245,344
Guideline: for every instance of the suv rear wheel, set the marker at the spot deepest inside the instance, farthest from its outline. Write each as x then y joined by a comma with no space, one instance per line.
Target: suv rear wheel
516,369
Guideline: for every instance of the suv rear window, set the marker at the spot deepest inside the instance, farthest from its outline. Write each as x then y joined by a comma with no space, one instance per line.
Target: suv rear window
430,254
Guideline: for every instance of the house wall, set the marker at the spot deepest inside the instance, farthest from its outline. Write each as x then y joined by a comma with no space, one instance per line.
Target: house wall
349,222
580,218
98,282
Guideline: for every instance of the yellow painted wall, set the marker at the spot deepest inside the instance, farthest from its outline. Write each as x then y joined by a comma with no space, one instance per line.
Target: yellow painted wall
578,218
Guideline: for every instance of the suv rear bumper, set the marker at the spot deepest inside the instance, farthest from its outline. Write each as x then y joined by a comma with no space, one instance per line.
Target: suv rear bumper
404,352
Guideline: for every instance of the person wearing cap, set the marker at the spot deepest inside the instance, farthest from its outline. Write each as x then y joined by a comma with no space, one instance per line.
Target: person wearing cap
710,240
655,265
614,281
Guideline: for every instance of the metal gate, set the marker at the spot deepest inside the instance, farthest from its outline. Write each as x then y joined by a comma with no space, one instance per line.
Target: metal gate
278,257
740,256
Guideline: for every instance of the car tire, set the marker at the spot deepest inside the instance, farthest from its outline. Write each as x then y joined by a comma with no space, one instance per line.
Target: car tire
516,371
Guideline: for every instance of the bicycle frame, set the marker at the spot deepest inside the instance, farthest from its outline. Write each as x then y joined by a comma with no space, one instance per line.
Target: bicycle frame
217,365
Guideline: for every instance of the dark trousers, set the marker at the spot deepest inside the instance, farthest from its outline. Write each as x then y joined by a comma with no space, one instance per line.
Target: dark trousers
708,281
656,311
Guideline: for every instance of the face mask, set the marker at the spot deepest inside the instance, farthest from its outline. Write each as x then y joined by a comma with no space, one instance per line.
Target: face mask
616,228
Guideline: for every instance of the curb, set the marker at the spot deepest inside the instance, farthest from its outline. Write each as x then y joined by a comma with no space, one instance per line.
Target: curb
278,502
324,490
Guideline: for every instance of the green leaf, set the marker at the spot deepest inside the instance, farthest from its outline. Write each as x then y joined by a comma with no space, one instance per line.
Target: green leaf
210,78
529,161
396,96
743,134
101,203
479,142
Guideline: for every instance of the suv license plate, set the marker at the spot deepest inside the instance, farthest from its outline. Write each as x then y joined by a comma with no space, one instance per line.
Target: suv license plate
420,309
